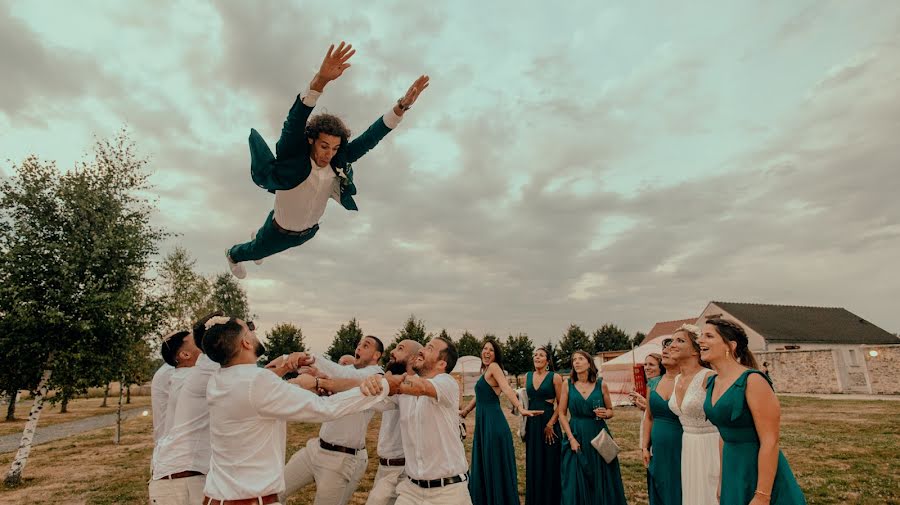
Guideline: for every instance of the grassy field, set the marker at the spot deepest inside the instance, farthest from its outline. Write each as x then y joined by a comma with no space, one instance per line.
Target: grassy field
841,451
78,409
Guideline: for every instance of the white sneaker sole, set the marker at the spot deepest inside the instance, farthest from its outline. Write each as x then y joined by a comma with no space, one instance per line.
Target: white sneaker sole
237,269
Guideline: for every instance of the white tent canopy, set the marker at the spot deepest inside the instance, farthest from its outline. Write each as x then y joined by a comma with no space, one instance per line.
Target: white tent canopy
469,367
618,373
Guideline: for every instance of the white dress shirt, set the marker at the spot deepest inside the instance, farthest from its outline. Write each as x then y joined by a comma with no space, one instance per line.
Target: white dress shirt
185,446
348,431
248,410
302,206
159,399
430,431
390,438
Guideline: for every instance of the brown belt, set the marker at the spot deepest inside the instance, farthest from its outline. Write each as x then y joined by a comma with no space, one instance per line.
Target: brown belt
293,232
264,500
182,475
392,462
337,448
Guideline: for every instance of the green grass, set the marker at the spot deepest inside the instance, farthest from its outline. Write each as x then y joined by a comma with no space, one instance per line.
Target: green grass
841,452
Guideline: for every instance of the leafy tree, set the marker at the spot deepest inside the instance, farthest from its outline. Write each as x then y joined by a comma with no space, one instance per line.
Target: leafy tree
284,338
345,340
468,345
638,339
229,297
186,293
413,329
74,258
518,355
574,339
610,337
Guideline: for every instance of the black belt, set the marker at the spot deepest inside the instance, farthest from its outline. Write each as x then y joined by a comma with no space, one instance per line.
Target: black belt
293,232
337,448
392,462
446,481
182,475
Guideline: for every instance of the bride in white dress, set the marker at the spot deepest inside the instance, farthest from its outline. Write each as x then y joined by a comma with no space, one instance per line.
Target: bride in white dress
700,465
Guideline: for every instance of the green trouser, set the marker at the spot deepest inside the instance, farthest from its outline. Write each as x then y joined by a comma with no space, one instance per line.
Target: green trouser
270,240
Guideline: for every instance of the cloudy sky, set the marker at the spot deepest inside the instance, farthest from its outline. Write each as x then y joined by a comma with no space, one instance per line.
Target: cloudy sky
624,162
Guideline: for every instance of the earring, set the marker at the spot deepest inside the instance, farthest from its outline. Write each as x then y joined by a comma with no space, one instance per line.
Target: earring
727,354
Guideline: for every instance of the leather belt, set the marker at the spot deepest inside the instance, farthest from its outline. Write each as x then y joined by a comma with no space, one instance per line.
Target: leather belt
264,500
392,462
293,232
337,448
182,475
446,481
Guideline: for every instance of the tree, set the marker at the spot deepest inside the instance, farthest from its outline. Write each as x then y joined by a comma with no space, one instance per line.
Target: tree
74,260
575,339
284,338
229,297
345,340
638,339
468,345
186,293
414,329
610,337
518,355
553,357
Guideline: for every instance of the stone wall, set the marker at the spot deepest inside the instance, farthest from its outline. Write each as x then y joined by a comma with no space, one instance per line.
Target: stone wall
884,368
801,371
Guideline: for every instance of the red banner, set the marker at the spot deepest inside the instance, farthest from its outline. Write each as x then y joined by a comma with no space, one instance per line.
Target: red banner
640,385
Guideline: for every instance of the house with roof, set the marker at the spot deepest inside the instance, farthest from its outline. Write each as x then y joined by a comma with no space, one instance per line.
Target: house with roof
666,328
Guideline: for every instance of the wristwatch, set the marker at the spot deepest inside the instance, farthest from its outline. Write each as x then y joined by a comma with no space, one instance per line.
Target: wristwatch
400,104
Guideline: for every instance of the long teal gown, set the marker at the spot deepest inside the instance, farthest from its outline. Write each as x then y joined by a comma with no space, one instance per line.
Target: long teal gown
732,417
492,479
542,486
586,478
664,480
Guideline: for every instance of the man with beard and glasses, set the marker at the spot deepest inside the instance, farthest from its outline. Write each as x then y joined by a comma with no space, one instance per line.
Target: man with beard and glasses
181,458
336,460
428,403
248,410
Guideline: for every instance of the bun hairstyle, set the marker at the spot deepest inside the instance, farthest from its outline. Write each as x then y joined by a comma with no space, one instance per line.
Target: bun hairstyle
733,332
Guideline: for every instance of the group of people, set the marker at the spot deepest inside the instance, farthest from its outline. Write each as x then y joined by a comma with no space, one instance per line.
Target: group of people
220,428
710,430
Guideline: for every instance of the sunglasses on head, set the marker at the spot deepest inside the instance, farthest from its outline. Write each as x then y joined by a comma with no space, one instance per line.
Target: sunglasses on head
251,326
666,342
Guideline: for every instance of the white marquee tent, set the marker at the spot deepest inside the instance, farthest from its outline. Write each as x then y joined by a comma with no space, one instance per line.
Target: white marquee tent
617,373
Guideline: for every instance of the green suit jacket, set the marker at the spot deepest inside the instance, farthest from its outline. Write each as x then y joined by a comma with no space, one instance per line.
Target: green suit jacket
292,165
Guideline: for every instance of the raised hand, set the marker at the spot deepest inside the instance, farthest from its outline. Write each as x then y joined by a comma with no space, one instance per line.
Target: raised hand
335,61
412,94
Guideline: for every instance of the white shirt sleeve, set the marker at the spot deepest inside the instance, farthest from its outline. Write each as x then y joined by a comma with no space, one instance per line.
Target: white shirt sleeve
275,398
389,403
335,371
447,390
390,119
310,97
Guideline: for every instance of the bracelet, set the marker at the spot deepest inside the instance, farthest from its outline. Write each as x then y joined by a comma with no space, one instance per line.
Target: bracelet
317,383
767,495
402,107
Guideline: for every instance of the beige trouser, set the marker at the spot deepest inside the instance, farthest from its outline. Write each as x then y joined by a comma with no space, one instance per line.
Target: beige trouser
454,494
186,491
336,474
384,490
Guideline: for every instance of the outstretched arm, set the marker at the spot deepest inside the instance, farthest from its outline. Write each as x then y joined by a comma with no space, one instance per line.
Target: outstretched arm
381,127
293,134
497,372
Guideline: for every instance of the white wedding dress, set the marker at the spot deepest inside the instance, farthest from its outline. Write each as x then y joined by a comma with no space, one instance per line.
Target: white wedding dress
699,446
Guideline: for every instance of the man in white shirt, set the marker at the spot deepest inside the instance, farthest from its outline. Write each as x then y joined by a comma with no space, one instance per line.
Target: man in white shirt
182,455
436,466
248,410
391,462
312,165
179,353
337,459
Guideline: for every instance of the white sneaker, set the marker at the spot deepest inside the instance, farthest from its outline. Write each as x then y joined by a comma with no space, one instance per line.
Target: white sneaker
253,237
237,269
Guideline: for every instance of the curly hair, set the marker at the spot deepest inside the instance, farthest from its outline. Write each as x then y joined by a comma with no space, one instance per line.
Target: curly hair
329,125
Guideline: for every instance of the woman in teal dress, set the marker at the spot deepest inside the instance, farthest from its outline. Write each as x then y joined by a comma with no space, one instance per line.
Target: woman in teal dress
661,438
586,478
542,433
492,478
741,403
